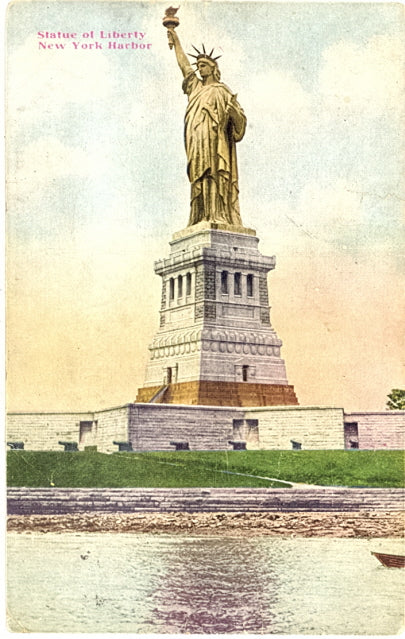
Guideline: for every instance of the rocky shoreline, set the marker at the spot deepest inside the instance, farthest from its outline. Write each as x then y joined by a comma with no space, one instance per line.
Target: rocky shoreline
285,524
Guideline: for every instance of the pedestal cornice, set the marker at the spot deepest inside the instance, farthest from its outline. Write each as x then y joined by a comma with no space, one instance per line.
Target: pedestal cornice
215,226
231,249
227,259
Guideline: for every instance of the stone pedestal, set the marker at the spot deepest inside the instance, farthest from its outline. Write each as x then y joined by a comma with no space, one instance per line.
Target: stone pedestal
215,344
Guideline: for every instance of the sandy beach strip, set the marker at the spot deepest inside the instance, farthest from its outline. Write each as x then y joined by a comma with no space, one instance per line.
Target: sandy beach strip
309,524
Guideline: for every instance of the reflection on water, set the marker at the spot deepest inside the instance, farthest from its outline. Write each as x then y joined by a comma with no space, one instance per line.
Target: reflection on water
175,584
220,586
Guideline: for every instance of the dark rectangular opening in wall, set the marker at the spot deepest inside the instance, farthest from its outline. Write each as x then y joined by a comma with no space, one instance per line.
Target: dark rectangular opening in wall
124,447
180,445
238,445
69,446
180,286
351,435
85,431
238,430
188,284
237,284
224,282
171,288
245,369
249,285
169,375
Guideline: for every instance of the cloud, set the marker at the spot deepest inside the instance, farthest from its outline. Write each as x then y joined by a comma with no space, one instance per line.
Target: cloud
42,82
41,163
279,99
47,158
338,203
319,218
363,80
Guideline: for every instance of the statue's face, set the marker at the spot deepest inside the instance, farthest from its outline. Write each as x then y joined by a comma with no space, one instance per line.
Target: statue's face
204,69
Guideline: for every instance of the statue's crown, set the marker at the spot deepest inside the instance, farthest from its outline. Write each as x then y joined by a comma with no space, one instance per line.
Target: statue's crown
203,54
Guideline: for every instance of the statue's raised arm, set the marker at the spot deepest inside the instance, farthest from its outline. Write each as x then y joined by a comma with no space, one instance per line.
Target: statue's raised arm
214,122
182,59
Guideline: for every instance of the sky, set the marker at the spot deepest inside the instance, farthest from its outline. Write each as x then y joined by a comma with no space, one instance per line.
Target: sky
97,186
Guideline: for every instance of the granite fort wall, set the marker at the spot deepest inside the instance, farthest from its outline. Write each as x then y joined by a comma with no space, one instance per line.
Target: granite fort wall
379,430
312,427
154,426
28,501
112,426
42,431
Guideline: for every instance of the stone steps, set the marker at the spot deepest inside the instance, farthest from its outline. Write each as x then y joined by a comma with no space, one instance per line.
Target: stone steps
28,501
213,393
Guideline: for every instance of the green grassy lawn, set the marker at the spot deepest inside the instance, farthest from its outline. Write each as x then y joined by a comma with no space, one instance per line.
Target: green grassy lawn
206,469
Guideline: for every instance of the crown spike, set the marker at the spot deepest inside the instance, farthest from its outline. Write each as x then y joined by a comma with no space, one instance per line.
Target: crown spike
203,54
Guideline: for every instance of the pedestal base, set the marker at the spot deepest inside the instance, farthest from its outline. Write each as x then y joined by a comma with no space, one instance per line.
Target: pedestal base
215,226
206,393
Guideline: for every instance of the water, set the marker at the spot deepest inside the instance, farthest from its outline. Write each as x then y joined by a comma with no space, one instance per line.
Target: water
144,583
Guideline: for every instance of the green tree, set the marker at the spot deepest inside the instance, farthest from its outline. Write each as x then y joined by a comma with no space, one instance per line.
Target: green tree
396,399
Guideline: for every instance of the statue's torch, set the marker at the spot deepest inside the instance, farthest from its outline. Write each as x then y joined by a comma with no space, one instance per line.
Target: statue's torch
171,21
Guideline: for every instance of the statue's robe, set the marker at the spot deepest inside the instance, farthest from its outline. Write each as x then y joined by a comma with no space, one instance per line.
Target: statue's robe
210,138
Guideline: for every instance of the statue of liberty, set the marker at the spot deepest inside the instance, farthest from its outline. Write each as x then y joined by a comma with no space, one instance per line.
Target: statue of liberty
214,122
